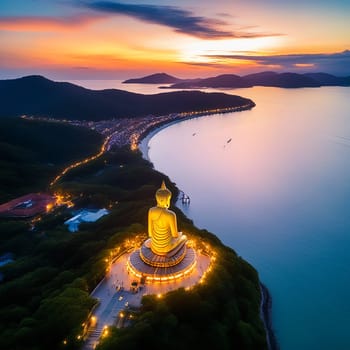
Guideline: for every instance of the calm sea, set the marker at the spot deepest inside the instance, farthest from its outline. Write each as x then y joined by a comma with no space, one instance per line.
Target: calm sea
273,183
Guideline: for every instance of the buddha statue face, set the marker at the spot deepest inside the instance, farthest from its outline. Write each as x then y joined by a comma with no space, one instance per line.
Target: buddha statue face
163,196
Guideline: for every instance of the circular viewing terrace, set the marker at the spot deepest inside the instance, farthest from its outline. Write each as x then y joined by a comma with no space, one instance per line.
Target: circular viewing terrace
142,265
123,286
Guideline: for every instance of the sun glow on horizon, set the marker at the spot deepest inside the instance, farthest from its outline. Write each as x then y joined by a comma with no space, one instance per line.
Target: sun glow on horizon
187,40
201,51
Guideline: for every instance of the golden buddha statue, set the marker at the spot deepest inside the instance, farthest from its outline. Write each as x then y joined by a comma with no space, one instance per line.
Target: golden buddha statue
162,226
164,255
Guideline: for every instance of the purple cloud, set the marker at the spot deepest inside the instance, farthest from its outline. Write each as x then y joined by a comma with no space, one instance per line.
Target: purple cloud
338,62
180,20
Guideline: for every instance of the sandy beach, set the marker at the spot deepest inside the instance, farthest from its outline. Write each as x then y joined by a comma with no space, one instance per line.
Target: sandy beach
144,142
144,138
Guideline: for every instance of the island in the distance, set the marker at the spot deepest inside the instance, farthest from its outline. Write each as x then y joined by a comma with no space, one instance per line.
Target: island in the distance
283,80
158,78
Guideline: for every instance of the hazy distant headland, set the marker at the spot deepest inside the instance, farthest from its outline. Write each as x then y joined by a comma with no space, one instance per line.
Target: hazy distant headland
284,80
39,96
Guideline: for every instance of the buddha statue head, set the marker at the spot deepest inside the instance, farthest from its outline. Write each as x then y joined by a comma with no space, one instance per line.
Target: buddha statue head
163,196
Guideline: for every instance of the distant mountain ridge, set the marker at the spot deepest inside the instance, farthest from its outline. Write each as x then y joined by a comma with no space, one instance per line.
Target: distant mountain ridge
39,96
267,78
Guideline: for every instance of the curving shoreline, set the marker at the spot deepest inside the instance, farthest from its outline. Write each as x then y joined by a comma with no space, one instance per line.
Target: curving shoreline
266,299
144,137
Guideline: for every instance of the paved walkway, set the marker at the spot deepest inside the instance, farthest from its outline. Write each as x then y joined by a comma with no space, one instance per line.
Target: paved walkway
115,294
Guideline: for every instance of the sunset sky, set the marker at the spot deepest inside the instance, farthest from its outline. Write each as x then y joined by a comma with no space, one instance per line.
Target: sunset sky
81,39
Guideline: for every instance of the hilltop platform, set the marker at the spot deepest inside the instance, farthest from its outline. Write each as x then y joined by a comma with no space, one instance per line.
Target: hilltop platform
161,268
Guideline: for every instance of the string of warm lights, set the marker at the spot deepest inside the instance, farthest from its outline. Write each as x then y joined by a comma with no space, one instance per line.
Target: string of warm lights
216,110
167,278
199,248
135,137
81,162
137,127
129,245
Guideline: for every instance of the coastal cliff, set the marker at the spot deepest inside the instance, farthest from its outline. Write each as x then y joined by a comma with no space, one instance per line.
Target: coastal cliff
266,316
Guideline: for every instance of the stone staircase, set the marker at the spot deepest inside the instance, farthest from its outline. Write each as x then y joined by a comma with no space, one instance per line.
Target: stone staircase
93,337
114,307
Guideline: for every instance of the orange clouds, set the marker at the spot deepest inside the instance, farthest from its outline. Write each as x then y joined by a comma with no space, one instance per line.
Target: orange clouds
114,36
46,24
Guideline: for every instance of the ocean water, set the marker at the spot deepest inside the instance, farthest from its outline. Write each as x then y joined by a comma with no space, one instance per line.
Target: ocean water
273,183
95,84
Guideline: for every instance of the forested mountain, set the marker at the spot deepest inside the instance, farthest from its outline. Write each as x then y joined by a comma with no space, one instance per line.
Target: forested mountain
38,96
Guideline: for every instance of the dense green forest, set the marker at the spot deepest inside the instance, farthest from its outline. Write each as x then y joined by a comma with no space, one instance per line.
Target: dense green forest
44,293
33,152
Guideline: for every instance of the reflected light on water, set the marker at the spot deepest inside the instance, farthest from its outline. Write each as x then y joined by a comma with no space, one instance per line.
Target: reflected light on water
273,183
